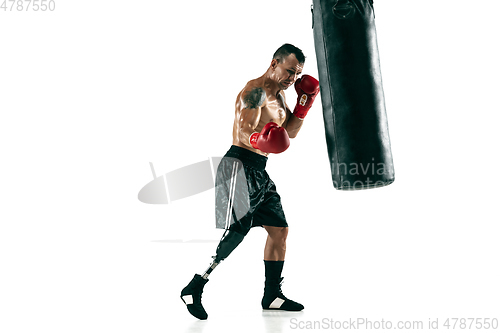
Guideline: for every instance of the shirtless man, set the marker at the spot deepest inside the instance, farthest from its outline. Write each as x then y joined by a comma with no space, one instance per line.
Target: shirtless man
245,195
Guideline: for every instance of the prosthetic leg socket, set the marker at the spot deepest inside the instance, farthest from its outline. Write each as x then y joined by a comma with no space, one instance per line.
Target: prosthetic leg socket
229,241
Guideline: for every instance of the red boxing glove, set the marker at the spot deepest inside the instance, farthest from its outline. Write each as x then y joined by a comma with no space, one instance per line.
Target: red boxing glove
272,139
307,88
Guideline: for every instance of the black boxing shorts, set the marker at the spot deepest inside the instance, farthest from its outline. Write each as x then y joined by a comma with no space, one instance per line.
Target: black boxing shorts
245,196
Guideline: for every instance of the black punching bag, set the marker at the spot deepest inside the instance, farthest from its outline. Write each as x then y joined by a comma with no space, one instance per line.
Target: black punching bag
356,129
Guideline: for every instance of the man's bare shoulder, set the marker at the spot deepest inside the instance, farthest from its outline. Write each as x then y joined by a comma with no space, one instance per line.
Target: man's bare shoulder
254,95
254,98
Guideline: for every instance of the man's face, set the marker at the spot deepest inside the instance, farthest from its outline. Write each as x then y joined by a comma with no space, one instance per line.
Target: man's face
287,72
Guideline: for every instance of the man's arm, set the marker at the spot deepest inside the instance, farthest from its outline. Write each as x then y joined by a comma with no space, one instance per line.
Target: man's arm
307,88
292,124
252,101
272,138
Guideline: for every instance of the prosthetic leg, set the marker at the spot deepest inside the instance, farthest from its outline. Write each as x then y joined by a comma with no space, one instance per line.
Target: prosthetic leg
191,294
229,241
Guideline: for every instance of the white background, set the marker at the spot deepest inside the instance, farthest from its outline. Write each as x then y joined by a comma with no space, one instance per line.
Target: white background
95,90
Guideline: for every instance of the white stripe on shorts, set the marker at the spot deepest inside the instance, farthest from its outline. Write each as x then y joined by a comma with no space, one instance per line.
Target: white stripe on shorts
232,190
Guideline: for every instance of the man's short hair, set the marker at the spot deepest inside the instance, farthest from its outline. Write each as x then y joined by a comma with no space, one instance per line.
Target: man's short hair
285,50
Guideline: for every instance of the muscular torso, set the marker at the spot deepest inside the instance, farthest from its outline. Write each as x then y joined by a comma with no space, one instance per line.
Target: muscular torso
272,109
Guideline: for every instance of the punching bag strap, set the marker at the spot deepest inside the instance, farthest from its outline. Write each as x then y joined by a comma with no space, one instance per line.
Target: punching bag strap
312,12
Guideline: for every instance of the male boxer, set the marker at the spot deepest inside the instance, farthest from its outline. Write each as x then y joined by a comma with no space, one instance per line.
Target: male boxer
245,195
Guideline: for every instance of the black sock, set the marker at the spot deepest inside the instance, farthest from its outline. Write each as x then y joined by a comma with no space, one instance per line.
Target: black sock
273,270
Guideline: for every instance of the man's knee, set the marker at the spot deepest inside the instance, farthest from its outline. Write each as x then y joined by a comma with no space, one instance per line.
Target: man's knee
277,234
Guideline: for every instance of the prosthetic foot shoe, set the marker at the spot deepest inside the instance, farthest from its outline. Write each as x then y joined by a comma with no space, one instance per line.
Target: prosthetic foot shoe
191,296
275,300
